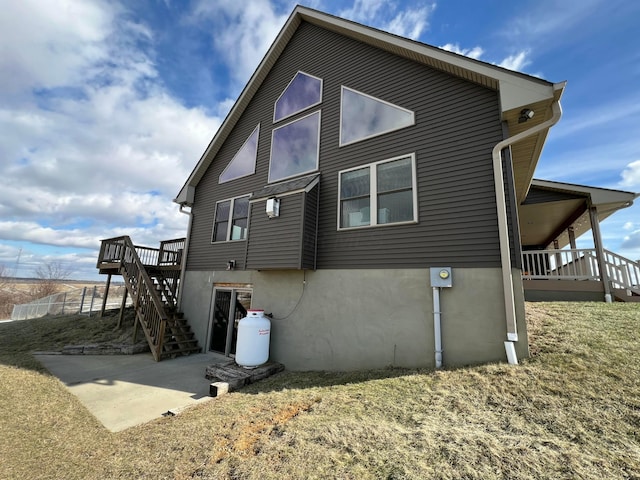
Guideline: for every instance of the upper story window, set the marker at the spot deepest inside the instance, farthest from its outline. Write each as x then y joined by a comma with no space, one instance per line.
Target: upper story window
295,148
363,116
386,188
230,220
304,91
244,161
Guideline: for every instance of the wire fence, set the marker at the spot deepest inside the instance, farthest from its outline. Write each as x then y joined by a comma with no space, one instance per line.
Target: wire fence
81,301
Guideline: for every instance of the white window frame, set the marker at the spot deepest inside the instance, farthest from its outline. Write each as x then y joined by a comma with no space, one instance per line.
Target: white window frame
230,220
319,112
343,144
373,193
305,108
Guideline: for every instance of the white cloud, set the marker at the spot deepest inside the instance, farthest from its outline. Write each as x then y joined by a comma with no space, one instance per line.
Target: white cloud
408,22
475,52
517,61
628,226
631,175
92,146
242,31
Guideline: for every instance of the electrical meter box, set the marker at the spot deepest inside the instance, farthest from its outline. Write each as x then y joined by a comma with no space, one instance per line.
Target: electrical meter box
441,277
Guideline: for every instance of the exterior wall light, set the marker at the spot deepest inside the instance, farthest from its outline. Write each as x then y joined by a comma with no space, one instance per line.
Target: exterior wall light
273,207
525,114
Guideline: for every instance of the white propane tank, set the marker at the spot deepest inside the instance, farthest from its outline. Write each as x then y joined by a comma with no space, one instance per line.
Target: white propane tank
254,333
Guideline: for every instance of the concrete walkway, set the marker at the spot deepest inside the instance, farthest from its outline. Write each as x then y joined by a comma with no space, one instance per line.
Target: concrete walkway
126,390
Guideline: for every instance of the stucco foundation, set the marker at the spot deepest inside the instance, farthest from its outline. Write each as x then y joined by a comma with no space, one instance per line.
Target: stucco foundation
361,319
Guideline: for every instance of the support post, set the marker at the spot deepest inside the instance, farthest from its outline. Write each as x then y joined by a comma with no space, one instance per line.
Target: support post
597,240
106,294
558,256
122,306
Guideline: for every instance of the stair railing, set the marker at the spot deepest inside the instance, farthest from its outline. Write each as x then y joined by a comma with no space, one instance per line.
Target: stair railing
623,273
150,311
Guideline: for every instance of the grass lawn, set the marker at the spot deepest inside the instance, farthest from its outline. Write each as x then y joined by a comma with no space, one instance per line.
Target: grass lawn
570,411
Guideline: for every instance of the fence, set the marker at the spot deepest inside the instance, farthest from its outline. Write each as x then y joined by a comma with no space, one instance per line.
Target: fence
81,301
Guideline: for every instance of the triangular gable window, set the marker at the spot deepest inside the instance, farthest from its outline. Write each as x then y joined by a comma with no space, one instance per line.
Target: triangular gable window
304,91
244,162
363,116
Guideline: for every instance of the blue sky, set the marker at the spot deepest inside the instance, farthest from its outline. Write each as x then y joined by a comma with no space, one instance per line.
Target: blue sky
106,106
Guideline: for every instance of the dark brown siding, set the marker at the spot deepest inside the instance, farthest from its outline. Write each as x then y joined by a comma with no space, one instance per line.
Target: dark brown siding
276,242
310,234
457,125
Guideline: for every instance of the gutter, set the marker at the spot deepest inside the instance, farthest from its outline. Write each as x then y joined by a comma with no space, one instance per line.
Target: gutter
183,267
503,229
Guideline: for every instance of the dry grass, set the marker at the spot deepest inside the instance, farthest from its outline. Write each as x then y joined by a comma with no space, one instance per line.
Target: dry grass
571,411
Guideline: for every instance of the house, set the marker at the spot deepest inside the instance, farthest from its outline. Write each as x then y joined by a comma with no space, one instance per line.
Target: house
368,193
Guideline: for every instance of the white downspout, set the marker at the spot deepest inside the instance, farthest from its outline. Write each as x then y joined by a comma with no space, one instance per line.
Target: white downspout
503,230
183,268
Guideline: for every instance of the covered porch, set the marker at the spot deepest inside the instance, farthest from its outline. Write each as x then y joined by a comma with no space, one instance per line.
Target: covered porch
551,217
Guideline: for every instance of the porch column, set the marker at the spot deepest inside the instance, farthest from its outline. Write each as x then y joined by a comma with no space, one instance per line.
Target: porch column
558,255
572,237
597,240
572,244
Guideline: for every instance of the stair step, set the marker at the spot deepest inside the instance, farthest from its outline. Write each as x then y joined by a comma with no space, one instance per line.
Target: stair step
182,351
181,344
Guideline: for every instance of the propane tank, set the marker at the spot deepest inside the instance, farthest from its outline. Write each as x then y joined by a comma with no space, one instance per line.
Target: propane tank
254,334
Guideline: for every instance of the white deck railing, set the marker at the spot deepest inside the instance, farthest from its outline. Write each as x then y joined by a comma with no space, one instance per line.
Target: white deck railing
580,264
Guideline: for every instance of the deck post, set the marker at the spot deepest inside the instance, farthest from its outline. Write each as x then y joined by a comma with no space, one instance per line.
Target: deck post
122,306
597,240
106,294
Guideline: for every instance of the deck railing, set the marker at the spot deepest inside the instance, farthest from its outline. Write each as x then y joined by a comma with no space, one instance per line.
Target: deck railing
581,264
169,253
572,264
623,273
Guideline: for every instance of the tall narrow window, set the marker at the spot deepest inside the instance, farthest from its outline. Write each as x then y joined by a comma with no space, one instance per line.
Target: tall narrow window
363,116
378,194
230,221
304,91
244,161
295,148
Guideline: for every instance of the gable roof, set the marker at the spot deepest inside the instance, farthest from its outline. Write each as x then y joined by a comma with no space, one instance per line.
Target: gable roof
516,90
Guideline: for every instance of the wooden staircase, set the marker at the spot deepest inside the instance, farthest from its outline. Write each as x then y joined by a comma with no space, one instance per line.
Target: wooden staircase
152,278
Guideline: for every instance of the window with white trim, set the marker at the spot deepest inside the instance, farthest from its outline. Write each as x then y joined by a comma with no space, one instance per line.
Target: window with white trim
386,188
304,91
363,116
295,148
231,220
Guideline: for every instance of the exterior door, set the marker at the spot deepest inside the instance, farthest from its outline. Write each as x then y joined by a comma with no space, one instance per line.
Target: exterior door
230,306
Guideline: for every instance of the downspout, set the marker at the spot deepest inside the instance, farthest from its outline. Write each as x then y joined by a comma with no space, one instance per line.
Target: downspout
503,229
183,267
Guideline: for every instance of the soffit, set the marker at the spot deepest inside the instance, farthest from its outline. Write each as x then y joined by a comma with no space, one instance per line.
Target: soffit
539,222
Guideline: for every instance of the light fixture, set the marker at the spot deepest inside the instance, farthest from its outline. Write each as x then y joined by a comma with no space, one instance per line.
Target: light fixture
231,265
525,114
273,207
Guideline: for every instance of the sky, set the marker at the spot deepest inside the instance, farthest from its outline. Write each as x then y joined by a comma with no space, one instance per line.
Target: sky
107,106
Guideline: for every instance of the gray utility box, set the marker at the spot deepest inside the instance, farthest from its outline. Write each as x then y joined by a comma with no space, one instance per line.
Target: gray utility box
441,277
